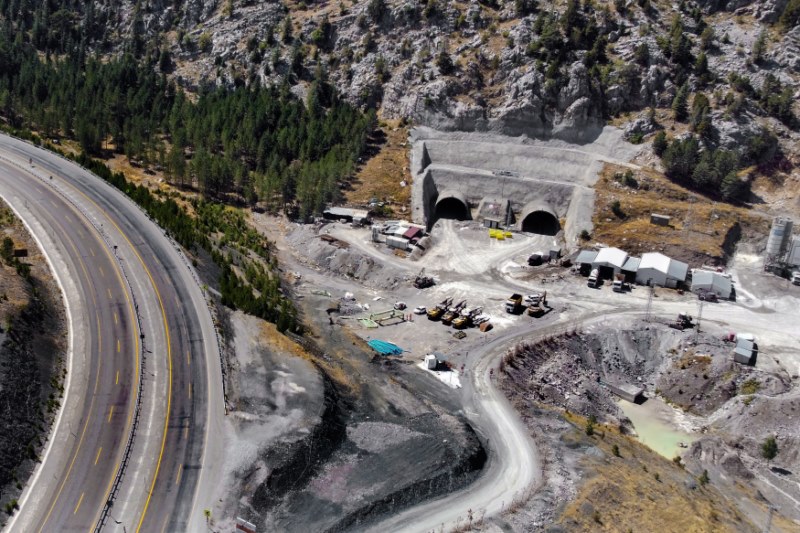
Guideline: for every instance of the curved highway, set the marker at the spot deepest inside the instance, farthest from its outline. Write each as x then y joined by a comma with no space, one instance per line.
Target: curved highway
137,317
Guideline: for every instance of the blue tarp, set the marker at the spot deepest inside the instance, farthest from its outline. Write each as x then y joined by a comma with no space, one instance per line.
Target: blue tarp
385,348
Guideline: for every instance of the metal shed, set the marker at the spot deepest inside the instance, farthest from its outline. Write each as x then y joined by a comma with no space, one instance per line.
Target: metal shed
661,270
609,261
705,280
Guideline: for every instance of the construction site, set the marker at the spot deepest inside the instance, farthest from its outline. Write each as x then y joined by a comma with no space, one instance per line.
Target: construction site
487,285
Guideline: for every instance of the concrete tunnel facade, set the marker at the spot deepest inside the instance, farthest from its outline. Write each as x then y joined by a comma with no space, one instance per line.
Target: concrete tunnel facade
539,217
451,204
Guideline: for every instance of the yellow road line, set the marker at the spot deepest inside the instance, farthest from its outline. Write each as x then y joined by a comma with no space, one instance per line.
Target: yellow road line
178,477
100,449
92,250
169,357
80,500
118,346
110,412
116,381
102,272
91,403
116,318
109,293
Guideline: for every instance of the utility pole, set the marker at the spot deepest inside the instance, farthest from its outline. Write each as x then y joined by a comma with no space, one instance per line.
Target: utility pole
699,317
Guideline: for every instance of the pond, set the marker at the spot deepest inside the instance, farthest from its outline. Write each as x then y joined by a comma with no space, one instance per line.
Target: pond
657,425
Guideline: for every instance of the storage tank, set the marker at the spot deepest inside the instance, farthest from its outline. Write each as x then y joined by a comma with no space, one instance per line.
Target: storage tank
779,237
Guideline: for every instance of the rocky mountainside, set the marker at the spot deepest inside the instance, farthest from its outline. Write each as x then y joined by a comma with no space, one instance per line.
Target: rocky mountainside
513,67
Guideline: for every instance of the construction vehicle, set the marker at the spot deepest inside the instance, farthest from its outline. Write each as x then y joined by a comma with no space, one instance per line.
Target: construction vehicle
682,322
467,318
618,285
796,277
514,304
436,312
594,278
453,313
422,281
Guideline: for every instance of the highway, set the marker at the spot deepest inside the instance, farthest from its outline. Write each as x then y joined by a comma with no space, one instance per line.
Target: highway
137,316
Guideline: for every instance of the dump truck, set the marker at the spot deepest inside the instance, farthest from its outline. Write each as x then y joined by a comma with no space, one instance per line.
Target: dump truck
452,313
436,312
594,278
467,318
514,304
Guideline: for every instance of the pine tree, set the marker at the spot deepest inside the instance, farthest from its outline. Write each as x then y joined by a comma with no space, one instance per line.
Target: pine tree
679,104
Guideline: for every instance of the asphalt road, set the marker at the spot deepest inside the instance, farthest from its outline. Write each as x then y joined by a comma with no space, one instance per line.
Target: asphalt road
84,223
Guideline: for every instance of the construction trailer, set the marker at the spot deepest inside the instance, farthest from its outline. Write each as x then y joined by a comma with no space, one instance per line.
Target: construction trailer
627,391
659,220
431,362
746,351
400,243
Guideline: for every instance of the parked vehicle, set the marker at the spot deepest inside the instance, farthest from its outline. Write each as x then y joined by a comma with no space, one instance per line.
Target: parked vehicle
420,310
707,296
400,306
514,304
594,278
796,277
437,312
618,285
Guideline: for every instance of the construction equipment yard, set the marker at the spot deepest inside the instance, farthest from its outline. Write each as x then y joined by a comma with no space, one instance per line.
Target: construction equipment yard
480,354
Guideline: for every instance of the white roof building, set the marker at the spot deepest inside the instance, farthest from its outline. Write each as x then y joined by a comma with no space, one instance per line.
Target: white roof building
610,258
705,280
661,270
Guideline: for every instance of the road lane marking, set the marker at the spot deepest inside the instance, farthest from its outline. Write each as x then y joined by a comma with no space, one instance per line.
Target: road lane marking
116,318
169,352
110,412
116,381
118,346
186,432
190,391
53,203
102,272
80,500
188,359
92,250
100,449
178,477
91,403
109,293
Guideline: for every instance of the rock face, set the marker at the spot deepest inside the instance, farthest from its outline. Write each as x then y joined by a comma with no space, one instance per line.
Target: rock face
471,67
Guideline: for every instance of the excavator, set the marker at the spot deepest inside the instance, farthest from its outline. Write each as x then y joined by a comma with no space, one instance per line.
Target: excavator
422,281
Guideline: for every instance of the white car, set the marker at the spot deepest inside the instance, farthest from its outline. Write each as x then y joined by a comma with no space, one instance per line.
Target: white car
420,310
400,305
533,299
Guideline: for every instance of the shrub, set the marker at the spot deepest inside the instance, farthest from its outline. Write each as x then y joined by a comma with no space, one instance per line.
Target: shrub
703,479
769,449
615,450
616,208
751,386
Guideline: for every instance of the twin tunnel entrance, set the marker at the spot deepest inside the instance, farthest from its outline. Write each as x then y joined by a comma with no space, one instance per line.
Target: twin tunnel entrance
535,217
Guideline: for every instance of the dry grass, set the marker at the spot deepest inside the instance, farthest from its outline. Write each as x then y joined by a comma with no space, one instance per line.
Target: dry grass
380,175
642,491
698,228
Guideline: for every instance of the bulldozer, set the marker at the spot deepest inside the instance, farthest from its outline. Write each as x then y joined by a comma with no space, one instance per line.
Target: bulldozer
453,313
436,313
422,281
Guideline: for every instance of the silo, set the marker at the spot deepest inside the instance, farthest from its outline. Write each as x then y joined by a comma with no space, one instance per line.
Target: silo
779,237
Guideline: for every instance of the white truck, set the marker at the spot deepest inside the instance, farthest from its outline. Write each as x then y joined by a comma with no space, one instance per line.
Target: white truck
796,277
594,278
